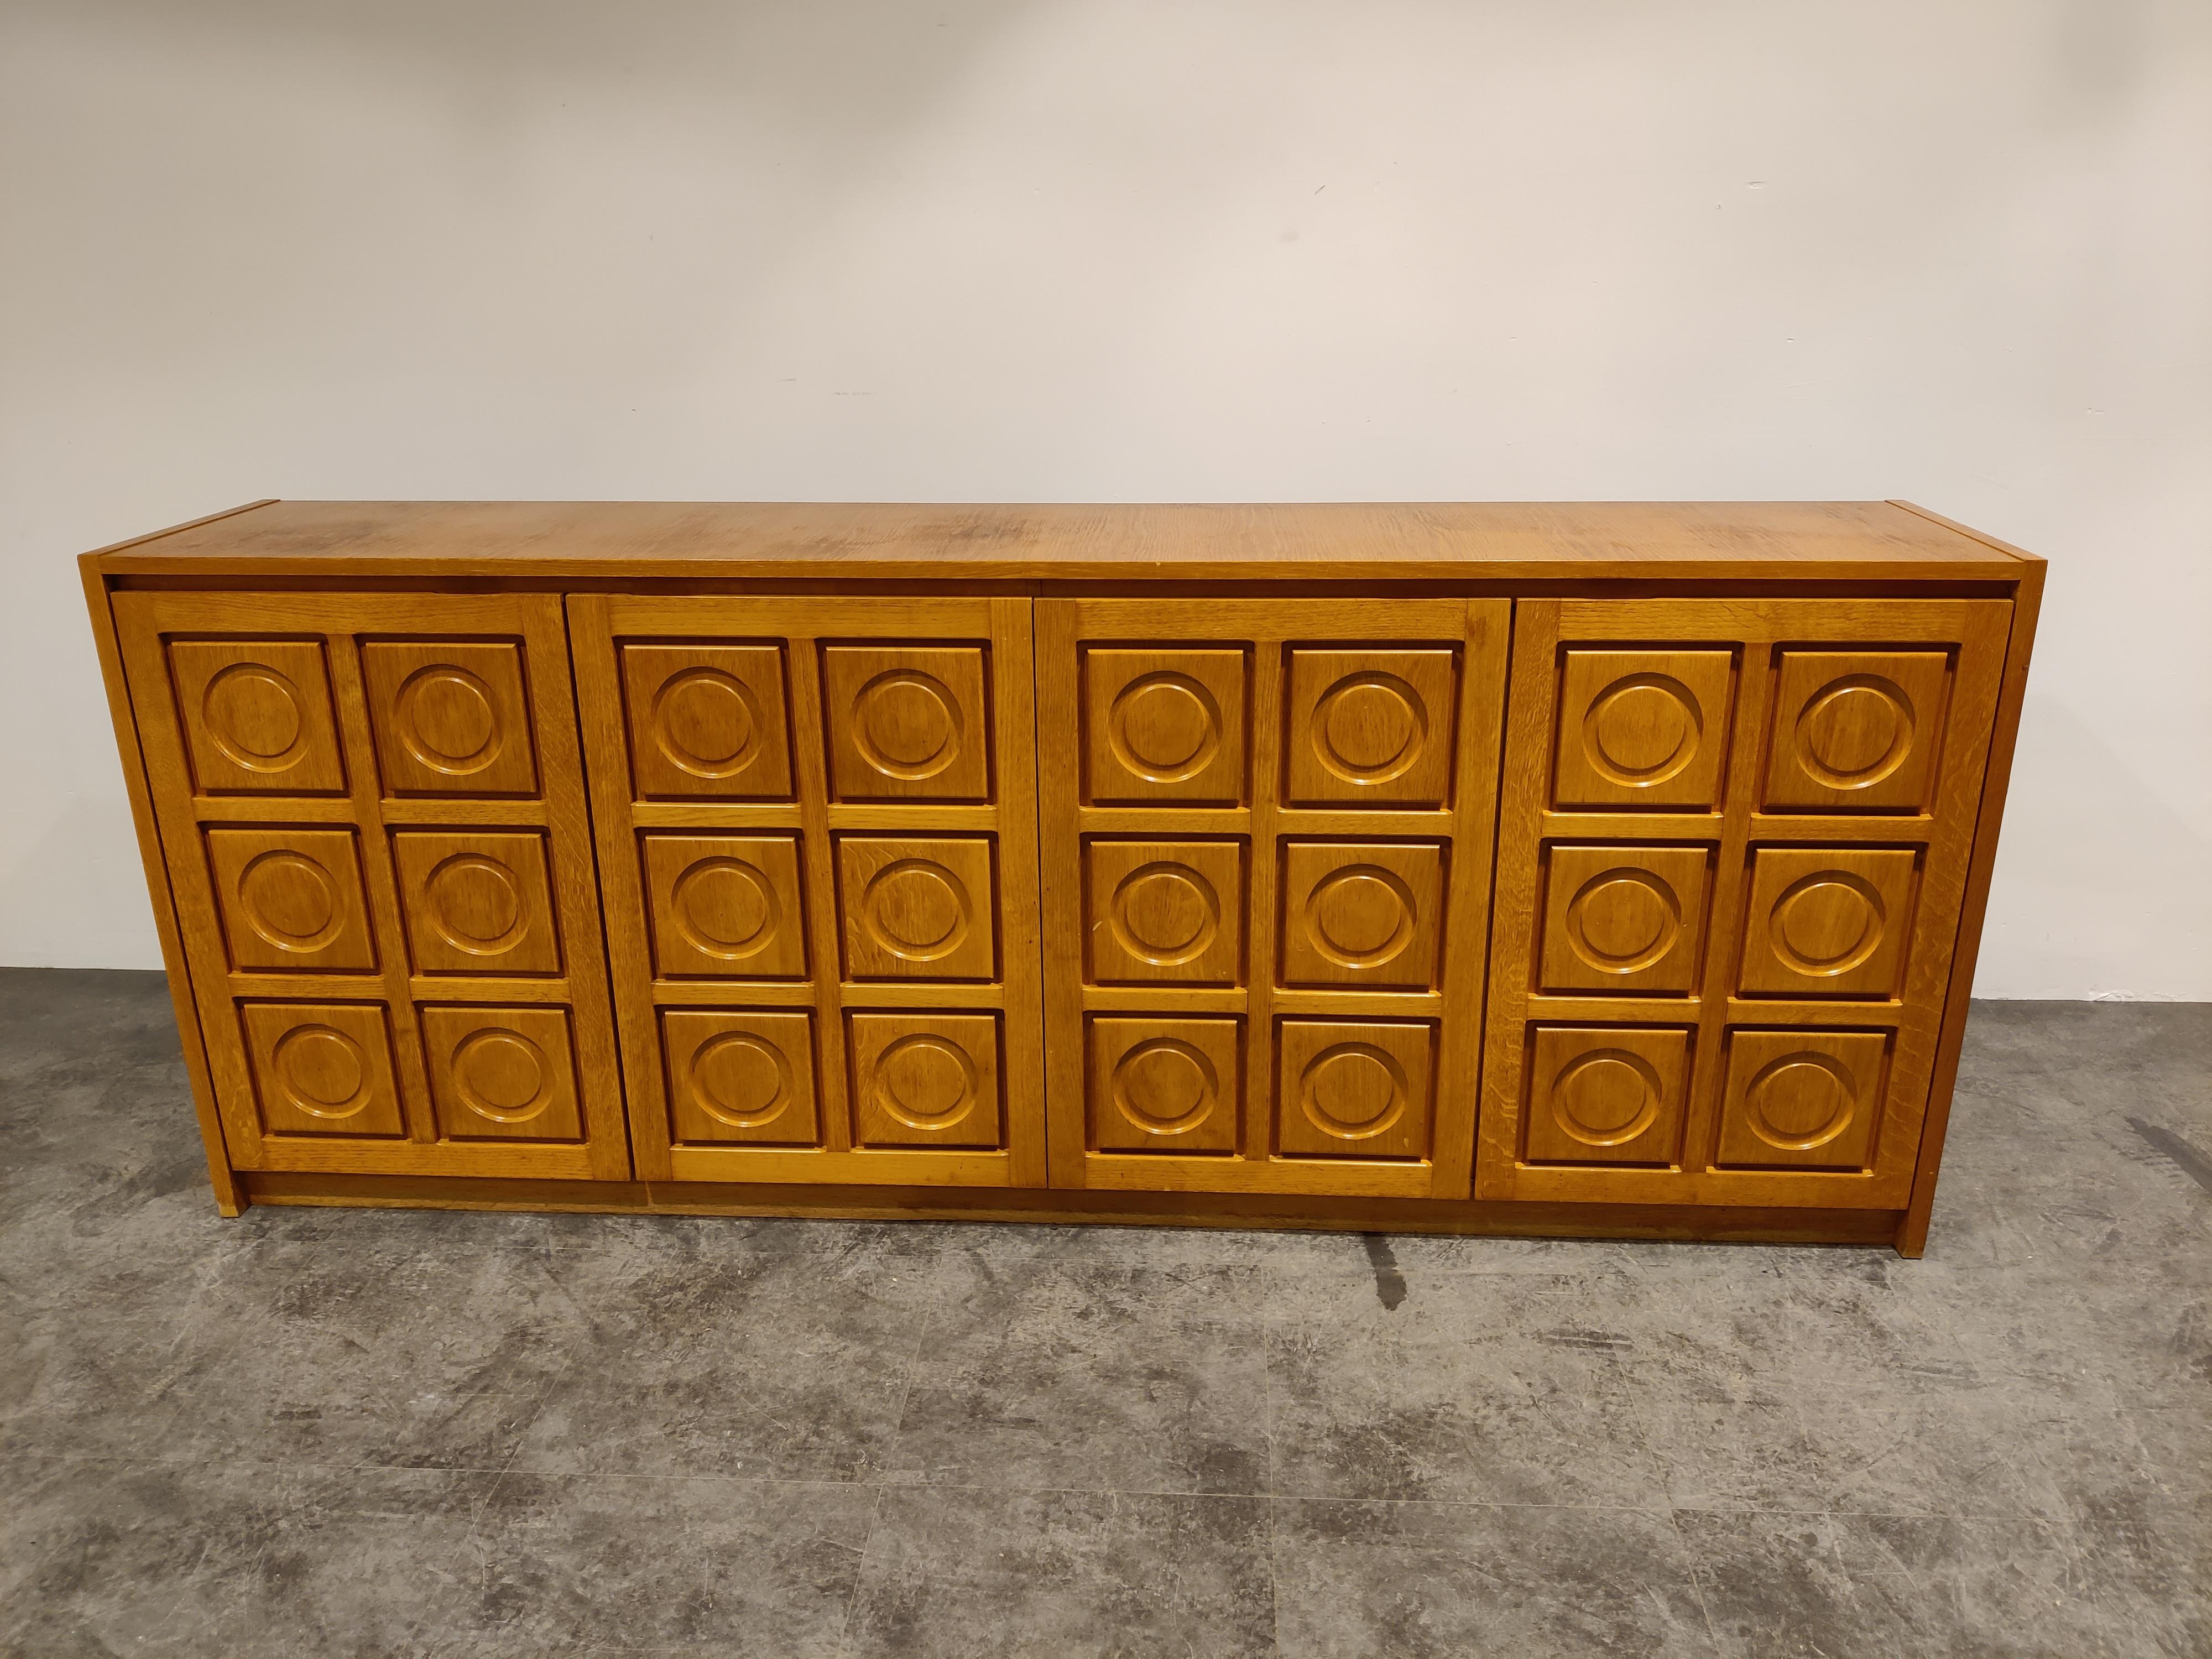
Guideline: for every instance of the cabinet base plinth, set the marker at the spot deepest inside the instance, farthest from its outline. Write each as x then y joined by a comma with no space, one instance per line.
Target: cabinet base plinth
1472,1218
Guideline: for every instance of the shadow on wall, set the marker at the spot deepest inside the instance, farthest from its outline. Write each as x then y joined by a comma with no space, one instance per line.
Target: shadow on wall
2094,844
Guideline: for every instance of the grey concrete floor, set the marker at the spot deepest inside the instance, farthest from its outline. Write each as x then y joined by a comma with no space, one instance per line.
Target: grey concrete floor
326,1432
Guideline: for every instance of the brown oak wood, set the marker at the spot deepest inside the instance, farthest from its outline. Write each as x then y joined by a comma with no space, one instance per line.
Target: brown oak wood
891,890
1795,935
1340,955
1240,865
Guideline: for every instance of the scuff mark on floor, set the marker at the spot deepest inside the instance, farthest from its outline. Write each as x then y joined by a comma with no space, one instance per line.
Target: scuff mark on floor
2191,1162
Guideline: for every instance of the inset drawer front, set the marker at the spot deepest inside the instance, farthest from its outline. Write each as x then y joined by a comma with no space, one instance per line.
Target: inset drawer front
1165,911
292,899
926,1079
450,717
1643,728
478,902
1161,1084
1802,1100
1606,1094
1856,731
906,722
503,1073
1353,1089
1828,921
917,909
1165,725
707,721
1370,729
322,1069
1628,920
1362,914
256,716
741,1077
725,907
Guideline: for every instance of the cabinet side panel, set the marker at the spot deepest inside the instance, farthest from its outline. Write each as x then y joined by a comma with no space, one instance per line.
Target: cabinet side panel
229,1195
2028,604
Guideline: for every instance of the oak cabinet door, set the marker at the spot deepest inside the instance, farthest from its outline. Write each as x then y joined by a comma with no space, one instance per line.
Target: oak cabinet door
373,817
1732,854
816,831
1265,847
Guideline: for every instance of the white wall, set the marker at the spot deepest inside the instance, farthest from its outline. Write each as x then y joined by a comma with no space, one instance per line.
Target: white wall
1109,250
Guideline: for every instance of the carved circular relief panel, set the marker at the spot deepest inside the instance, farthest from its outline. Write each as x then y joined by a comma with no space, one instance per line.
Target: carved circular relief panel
1353,1090
1622,921
475,905
1642,729
445,717
1166,1086
1855,732
741,1079
707,723
1360,916
726,909
1166,914
1800,1102
1605,1097
906,725
1827,923
925,1082
503,1076
916,910
291,901
1164,727
321,1071
1369,728
255,716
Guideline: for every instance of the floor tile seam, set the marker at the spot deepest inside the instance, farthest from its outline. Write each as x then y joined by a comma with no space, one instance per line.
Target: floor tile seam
844,1644
1832,1513
1694,1560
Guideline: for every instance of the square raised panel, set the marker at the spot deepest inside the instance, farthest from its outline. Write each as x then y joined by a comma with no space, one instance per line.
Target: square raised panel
256,717
1163,725
1802,1099
477,902
1347,1088
291,900
450,718
923,1079
915,909
1164,1085
1605,1094
708,720
322,1069
1827,920
906,722
1629,919
1164,912
725,907
1369,728
503,1073
1643,729
740,1077
1362,914
1855,730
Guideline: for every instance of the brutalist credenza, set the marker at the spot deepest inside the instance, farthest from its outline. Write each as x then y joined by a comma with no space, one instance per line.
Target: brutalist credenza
1604,869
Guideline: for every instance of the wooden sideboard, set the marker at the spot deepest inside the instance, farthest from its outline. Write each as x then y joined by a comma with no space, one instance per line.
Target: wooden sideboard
1579,869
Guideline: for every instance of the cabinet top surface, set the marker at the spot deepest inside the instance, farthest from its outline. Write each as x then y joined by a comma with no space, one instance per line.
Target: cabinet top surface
850,541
